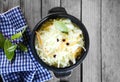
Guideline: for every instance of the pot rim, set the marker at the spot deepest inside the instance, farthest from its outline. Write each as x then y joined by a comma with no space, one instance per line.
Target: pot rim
85,34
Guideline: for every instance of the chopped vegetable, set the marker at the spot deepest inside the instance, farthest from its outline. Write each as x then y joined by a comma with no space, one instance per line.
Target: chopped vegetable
39,39
58,48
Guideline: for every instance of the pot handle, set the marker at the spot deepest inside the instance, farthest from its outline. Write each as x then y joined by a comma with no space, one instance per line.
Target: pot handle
57,10
62,74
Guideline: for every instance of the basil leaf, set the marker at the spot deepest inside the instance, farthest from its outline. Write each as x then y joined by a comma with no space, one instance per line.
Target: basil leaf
22,47
8,54
17,35
2,40
61,26
12,48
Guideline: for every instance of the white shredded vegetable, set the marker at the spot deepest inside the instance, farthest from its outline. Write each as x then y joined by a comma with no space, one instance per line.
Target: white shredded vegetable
59,49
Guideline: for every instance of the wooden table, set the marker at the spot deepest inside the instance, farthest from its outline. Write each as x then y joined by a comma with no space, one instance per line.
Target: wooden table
102,20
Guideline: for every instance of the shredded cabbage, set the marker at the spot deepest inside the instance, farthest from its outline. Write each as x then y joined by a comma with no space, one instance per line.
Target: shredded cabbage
59,49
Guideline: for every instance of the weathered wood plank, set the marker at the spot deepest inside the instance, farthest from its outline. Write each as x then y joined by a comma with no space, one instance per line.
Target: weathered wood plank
74,8
91,19
32,11
7,4
111,40
13,3
46,5
1,6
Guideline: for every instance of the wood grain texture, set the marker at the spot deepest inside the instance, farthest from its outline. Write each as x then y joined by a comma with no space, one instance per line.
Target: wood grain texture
7,4
111,40
32,11
91,19
13,3
74,8
46,5
1,6
102,20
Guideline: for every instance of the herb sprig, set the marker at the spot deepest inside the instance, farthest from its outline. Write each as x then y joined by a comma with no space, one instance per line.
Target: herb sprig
8,47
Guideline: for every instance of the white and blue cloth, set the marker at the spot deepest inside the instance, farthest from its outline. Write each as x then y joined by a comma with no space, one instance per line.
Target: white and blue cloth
24,68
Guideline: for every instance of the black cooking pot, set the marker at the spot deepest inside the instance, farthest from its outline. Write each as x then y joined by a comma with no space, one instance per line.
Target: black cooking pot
60,12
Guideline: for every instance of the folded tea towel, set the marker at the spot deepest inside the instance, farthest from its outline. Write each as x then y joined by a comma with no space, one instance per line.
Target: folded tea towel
24,68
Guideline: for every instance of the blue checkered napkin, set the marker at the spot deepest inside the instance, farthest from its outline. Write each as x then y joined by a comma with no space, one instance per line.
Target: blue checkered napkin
24,68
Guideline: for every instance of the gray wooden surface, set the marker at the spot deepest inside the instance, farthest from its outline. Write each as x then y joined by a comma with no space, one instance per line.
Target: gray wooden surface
102,20
91,19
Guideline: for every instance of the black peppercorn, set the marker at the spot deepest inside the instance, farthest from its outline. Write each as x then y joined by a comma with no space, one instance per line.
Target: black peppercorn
57,40
67,43
80,35
70,62
54,55
63,40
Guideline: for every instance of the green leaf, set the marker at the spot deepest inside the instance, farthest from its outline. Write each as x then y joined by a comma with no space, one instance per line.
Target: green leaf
17,35
22,47
12,48
2,40
8,54
61,26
